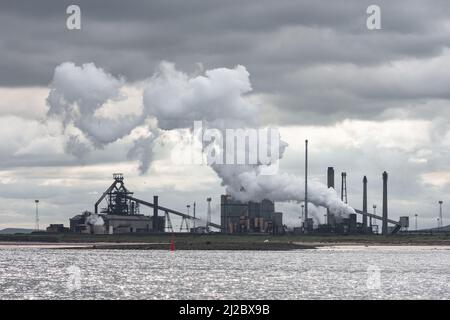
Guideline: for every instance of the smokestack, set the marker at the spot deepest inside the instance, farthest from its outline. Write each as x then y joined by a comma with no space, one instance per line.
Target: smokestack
330,184
344,187
306,180
155,213
364,202
384,230
208,216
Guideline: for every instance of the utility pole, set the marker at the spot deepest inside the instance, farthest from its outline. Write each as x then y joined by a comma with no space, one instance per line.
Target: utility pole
36,226
374,213
440,214
416,220
194,215
188,206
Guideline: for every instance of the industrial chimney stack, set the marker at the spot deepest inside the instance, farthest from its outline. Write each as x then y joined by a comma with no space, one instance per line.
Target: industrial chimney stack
306,181
155,213
364,202
384,229
330,184
208,215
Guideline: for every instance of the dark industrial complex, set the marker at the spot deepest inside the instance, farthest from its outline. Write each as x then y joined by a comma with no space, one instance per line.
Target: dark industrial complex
351,225
121,214
248,217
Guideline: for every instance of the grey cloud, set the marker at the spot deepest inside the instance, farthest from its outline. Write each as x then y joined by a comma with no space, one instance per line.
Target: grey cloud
274,39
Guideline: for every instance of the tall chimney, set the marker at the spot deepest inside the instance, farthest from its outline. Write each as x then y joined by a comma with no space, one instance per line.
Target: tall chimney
155,213
208,215
306,181
364,221
384,229
330,184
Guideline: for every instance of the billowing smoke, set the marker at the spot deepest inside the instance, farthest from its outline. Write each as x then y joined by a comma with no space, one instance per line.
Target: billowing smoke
174,100
250,185
95,220
76,96
216,98
143,150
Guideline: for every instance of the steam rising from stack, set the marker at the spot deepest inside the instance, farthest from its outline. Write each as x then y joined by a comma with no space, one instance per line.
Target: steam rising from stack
175,100
95,220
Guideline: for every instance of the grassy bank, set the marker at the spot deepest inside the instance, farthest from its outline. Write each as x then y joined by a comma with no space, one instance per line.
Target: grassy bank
225,242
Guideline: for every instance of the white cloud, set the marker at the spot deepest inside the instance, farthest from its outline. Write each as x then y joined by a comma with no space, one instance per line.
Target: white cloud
26,102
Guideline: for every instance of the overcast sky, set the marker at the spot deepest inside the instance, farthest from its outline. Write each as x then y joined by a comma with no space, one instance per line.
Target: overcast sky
367,100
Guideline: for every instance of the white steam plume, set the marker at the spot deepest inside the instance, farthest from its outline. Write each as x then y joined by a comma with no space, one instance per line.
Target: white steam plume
95,220
175,99
218,98
77,93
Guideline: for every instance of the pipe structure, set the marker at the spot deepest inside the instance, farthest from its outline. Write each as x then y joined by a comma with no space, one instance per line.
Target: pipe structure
384,229
371,215
364,221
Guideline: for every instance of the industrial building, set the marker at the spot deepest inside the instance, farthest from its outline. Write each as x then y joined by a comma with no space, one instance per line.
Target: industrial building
121,214
249,217
57,228
350,225
92,223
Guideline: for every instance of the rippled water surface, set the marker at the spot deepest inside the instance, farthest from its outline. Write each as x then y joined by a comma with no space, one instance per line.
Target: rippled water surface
335,273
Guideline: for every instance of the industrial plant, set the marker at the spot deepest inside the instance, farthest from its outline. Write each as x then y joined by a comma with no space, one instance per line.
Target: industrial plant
351,225
117,211
122,214
248,217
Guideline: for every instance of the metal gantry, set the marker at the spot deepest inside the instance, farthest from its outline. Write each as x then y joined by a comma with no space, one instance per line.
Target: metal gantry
121,201
169,227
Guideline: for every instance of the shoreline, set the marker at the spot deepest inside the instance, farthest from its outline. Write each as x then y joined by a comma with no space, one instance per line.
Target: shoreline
185,241
222,246
160,246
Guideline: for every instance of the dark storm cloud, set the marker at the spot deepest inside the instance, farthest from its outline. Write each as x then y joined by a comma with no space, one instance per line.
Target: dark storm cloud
273,39
197,29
